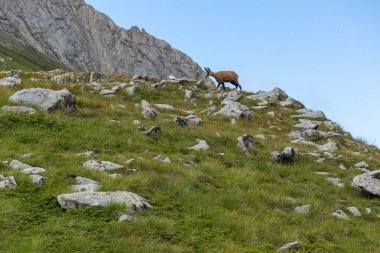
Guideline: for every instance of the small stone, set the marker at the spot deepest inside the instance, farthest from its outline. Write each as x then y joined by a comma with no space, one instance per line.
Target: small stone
194,120
180,122
26,156
290,246
88,153
7,182
354,211
19,109
126,217
305,209
164,107
33,170
101,165
362,165
320,160
136,122
37,179
201,145
152,131
271,114
246,143
340,214
162,158
368,210
288,155
330,146
233,121
342,167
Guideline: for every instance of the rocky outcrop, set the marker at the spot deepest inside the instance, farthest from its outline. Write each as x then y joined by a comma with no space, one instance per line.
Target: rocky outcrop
75,35
368,182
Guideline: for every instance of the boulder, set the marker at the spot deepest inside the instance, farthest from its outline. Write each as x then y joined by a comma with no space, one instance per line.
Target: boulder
234,109
194,119
233,96
180,122
201,145
288,155
318,115
7,182
47,100
18,109
10,81
152,131
83,184
275,94
305,124
246,143
368,182
37,179
101,165
101,199
162,158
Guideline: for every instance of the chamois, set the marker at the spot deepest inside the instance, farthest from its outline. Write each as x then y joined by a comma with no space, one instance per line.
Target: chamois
224,77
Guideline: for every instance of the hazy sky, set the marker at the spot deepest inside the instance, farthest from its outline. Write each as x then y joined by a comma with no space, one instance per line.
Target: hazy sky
325,53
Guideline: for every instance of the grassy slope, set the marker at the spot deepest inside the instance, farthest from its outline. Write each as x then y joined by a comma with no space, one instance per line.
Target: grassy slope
35,61
227,203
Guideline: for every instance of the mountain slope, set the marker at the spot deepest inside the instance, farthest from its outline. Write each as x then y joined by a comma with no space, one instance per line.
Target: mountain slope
215,200
78,37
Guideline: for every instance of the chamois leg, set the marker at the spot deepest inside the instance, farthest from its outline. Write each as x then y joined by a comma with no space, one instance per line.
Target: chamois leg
236,85
224,87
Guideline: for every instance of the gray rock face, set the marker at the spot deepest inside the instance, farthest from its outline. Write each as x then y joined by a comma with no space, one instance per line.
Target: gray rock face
47,100
19,109
288,155
96,199
234,109
7,182
368,182
246,143
74,35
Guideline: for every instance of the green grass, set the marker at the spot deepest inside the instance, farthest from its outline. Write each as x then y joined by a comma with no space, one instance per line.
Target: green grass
32,60
226,203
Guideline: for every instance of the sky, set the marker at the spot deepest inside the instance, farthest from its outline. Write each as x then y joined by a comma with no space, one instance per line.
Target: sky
324,53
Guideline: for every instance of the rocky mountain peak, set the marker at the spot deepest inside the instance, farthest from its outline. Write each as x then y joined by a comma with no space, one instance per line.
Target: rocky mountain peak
76,36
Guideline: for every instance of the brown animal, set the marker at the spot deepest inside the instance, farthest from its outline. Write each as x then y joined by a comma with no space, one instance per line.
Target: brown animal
224,77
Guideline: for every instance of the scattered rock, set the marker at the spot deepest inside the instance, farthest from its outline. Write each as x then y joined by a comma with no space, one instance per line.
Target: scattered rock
330,146
288,155
126,217
180,122
246,143
136,122
47,100
342,167
209,110
162,158
271,114
305,209
33,171
362,165
101,199
91,154
368,210
275,94
19,109
37,179
83,184
234,109
318,115
354,211
290,246
290,102
26,156
15,164
152,131
340,214
194,120
107,92
190,95
201,145
101,165
305,124
7,182
233,96
334,181
368,182
164,106
10,81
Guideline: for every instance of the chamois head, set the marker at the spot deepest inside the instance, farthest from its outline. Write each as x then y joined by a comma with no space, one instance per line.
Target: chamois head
208,71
